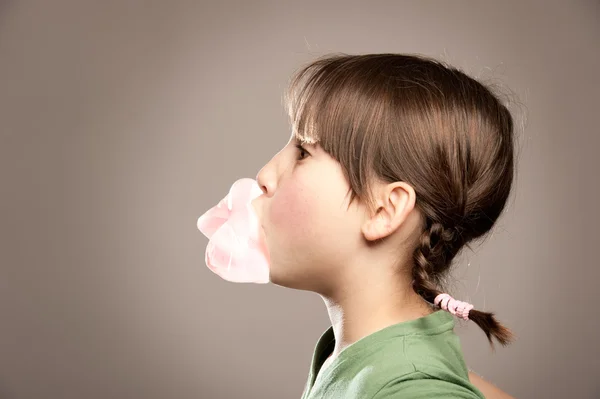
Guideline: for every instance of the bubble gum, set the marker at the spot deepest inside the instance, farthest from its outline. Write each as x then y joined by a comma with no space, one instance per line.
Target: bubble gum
236,249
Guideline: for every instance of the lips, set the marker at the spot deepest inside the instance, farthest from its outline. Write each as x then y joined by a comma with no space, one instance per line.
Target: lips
236,250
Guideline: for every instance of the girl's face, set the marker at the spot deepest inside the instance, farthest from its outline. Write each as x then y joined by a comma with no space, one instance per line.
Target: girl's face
309,230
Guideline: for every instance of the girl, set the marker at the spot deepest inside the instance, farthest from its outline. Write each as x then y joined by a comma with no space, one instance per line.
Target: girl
426,154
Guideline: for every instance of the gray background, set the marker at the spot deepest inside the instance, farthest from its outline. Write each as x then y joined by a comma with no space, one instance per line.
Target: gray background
121,122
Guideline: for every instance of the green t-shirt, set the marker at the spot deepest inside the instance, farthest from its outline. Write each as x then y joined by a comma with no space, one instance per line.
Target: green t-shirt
416,359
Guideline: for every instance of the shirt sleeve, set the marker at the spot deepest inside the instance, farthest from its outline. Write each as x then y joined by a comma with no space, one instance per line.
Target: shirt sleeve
423,386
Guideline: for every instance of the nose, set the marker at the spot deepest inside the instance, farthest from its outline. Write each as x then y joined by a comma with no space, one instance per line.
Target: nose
266,179
270,174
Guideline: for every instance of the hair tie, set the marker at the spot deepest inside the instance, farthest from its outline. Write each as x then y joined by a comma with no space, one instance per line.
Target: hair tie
457,308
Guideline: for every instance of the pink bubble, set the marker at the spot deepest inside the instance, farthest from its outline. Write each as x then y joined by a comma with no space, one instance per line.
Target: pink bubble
236,251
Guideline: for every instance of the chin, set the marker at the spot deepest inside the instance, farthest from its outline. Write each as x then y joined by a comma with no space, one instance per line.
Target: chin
279,278
275,278
289,280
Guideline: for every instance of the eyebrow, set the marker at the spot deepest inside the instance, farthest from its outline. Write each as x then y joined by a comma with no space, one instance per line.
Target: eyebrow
310,142
307,143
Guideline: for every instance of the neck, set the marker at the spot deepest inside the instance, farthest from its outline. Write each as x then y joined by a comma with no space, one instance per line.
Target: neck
369,307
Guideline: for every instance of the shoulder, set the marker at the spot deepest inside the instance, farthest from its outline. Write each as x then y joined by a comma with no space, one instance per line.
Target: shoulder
420,385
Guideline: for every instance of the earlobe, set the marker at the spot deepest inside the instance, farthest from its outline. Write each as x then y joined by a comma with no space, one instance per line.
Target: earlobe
378,226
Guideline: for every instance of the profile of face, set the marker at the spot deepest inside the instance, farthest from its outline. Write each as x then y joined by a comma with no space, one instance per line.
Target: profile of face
309,229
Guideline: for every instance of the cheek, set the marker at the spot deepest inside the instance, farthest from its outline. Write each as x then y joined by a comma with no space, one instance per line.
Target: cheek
293,210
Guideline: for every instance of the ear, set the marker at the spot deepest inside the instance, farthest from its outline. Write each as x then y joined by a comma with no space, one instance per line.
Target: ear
394,202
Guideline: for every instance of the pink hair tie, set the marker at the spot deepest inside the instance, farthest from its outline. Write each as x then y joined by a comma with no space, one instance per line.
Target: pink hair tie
457,308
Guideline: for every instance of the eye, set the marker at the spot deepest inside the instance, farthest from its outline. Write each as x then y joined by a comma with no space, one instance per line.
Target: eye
301,151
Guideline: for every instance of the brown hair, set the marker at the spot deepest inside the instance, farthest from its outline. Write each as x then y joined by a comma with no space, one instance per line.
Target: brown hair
400,117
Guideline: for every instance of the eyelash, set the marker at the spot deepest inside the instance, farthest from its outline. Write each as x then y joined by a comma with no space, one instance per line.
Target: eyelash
301,149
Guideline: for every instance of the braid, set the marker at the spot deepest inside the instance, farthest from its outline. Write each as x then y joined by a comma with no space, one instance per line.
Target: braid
432,258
